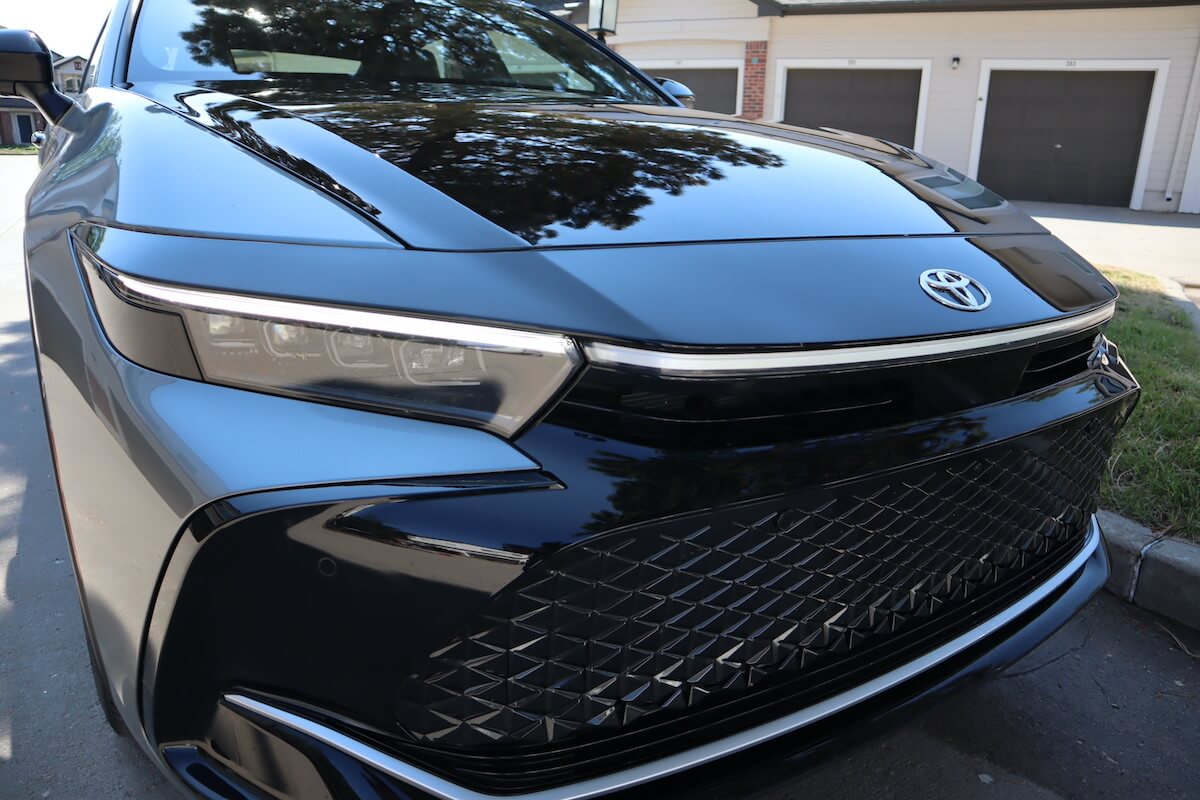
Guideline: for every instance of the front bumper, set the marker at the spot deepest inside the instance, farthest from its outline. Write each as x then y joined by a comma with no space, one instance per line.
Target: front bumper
332,603
321,621
318,760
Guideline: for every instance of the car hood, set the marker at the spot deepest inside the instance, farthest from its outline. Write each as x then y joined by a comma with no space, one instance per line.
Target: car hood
498,175
167,201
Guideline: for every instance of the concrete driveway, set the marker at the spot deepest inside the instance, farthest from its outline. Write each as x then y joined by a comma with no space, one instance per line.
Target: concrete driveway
1107,708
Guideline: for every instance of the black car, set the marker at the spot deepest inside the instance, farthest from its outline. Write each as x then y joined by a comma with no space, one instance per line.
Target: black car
441,408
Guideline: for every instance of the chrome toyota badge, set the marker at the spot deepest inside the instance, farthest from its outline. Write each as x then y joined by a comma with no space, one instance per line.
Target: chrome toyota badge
955,290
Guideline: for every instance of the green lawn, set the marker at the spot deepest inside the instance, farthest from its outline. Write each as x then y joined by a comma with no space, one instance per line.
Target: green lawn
18,150
1154,475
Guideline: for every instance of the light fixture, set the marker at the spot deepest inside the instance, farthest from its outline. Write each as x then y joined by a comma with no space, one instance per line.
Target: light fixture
602,18
955,62
476,374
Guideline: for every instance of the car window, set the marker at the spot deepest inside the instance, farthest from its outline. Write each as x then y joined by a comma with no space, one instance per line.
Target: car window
252,61
534,66
403,43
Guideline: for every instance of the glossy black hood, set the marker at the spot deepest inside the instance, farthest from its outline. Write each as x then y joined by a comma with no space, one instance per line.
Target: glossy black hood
569,175
582,176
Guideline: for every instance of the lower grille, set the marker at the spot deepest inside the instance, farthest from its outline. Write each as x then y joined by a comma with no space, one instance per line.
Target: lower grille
673,628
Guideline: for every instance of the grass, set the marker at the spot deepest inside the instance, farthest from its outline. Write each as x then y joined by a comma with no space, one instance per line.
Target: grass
18,150
1154,474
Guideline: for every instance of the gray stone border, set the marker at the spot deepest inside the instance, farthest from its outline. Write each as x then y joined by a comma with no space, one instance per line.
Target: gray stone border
1153,571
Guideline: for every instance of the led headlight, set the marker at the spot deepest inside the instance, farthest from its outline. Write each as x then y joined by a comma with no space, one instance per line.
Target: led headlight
494,378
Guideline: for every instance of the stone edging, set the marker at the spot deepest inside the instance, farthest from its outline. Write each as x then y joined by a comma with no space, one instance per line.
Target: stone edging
1156,572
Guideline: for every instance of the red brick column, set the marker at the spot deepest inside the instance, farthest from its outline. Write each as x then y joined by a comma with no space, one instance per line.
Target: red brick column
754,81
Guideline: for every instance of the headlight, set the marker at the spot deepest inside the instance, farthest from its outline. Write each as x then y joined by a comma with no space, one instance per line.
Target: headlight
494,378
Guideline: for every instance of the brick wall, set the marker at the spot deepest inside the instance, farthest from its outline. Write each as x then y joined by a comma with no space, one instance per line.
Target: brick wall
754,85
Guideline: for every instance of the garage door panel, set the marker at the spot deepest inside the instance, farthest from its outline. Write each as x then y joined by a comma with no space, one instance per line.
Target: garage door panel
716,89
875,102
1064,136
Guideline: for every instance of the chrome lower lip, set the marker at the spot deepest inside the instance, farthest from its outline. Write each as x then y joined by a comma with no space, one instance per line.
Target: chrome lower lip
446,790
716,364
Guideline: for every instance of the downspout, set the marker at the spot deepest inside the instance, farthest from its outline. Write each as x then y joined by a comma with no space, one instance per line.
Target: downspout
1183,140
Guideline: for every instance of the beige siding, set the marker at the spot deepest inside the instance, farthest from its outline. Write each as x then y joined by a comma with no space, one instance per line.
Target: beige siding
665,22
658,10
638,52
711,29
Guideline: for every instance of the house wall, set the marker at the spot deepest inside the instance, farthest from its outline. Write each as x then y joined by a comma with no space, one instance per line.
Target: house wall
705,29
639,11
67,70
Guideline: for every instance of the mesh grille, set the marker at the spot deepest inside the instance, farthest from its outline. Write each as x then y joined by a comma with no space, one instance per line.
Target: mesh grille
649,624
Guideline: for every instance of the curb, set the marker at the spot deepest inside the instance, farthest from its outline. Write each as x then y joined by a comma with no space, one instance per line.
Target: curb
1151,570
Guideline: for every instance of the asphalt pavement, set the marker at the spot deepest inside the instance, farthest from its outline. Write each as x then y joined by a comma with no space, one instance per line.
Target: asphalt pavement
1107,708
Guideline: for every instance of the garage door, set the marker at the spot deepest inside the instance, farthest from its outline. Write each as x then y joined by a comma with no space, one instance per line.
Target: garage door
716,89
1064,137
877,102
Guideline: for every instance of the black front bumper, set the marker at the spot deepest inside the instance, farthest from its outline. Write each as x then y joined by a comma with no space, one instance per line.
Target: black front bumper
625,612
288,760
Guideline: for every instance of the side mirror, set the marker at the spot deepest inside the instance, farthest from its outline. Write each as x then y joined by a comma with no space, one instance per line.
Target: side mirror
677,90
26,70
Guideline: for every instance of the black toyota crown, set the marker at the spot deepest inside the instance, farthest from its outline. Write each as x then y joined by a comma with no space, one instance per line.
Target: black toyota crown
443,409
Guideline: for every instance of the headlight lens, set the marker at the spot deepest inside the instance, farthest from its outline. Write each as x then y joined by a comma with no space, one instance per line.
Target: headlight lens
494,378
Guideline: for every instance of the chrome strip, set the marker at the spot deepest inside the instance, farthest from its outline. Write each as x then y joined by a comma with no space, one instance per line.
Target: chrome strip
446,790
341,318
701,364
463,549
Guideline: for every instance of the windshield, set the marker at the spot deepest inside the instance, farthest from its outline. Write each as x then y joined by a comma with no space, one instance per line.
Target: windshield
491,47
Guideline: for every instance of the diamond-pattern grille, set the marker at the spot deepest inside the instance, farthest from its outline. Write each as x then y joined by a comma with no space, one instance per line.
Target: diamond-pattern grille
644,625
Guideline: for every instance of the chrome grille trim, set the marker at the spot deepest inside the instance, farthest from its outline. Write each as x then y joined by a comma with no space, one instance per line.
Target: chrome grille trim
749,363
624,779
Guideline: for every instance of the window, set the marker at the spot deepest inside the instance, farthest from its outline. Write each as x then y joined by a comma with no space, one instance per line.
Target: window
399,45
534,66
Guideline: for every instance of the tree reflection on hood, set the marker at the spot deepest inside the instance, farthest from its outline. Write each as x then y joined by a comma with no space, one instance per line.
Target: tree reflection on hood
531,170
